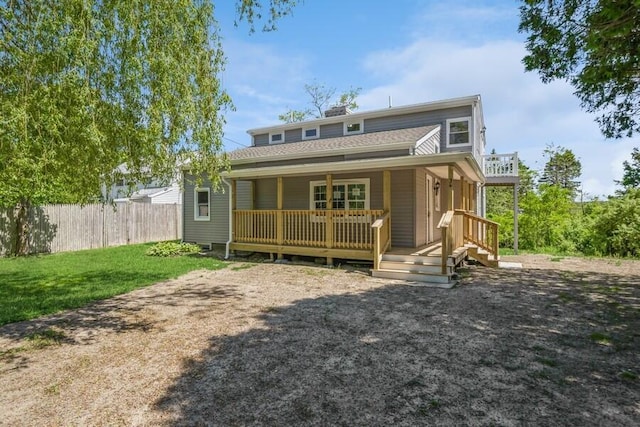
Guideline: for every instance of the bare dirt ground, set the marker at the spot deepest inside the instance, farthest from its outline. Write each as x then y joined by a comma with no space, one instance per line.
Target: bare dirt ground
554,343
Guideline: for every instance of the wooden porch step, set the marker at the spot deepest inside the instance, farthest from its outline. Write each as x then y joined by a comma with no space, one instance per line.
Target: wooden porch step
482,256
419,266
443,281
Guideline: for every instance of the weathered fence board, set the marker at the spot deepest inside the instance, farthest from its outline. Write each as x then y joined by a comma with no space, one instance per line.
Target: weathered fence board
59,228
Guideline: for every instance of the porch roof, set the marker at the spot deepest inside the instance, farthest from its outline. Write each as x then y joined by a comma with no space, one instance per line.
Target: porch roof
463,162
364,142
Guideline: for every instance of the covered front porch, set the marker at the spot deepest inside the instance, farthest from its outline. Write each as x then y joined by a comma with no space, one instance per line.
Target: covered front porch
435,206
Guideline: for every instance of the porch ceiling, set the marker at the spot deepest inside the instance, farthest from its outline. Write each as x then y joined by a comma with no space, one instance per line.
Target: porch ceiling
438,164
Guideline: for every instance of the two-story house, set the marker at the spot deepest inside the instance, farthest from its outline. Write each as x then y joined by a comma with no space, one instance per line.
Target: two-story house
399,187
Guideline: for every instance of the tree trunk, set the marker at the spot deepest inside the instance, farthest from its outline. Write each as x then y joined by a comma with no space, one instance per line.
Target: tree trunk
21,246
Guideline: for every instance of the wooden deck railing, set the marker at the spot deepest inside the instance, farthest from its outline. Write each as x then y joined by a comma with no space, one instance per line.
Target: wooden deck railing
460,227
481,232
381,237
309,228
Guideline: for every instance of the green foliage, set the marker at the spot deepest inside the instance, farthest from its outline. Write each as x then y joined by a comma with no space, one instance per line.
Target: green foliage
562,169
593,45
631,174
545,217
616,226
164,249
89,85
35,286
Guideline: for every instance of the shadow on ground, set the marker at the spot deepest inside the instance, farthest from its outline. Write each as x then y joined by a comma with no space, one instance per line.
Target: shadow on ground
506,347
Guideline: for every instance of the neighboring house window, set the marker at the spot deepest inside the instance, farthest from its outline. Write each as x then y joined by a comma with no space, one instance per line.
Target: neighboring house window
348,194
459,131
353,127
276,138
310,133
202,205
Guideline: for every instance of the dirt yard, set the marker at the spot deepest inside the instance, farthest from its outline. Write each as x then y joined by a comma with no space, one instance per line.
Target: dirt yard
554,343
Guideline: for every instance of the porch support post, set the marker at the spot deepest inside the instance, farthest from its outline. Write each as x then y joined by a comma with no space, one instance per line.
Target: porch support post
463,194
279,218
515,219
329,223
451,191
234,206
386,198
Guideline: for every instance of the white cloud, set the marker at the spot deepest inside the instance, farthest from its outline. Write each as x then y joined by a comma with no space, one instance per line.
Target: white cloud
521,113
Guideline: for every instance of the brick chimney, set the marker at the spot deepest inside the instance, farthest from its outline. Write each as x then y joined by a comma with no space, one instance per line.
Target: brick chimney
338,110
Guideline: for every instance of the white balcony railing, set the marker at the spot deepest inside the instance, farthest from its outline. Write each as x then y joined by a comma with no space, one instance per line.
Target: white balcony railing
499,165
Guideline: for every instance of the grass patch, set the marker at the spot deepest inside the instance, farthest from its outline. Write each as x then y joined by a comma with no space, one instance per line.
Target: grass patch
242,267
548,362
38,285
628,375
601,338
45,338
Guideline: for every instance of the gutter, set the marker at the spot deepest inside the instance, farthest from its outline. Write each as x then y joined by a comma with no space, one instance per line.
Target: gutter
226,250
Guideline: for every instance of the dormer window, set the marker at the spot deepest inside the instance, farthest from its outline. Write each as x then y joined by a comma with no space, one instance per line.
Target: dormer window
351,128
276,138
310,133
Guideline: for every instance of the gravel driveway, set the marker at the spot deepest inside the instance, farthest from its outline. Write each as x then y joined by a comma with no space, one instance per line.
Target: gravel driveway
554,343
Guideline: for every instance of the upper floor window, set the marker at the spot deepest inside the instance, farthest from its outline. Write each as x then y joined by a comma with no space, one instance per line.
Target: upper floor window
276,138
351,194
353,127
310,133
202,204
459,131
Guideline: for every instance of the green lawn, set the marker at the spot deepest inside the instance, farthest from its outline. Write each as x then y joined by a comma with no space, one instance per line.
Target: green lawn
33,286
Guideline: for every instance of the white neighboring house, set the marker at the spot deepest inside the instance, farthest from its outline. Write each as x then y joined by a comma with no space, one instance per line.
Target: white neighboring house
152,191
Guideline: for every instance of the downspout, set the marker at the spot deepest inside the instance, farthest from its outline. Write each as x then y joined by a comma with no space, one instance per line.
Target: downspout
226,253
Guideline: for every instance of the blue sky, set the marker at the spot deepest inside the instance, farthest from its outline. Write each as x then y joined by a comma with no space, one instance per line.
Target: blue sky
414,51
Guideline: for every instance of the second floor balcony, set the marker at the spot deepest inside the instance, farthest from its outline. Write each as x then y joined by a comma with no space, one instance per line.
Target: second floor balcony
501,169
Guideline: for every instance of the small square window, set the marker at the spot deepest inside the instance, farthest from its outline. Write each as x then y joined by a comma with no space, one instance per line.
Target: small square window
310,133
276,138
353,127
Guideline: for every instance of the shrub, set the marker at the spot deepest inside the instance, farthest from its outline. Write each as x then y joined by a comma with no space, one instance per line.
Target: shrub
165,249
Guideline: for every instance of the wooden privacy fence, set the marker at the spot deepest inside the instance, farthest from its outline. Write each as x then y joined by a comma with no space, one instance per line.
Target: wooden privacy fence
59,228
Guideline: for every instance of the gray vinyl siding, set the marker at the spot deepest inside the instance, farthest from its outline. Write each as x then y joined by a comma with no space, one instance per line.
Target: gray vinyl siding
216,230
402,121
293,135
244,196
262,139
266,193
403,219
429,145
331,130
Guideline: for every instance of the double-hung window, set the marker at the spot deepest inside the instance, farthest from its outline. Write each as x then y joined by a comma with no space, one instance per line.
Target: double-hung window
459,132
202,204
351,194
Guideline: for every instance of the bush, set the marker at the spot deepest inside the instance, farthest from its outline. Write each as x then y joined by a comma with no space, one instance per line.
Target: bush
165,249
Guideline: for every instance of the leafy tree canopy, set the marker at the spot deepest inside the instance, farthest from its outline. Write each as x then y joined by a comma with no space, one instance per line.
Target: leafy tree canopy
562,169
631,174
89,85
320,97
594,45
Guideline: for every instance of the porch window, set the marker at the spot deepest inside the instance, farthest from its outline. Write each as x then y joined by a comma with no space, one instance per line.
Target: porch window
459,132
352,194
202,204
